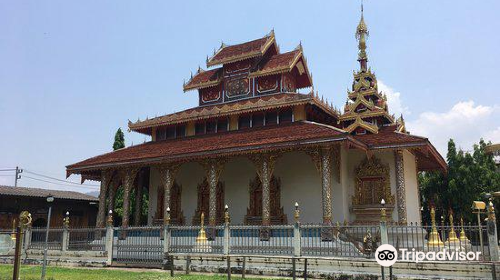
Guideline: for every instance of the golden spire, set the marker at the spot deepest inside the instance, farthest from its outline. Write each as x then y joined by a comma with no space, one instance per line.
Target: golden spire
361,34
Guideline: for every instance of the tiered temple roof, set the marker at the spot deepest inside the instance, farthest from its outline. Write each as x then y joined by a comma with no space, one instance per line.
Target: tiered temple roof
366,108
255,79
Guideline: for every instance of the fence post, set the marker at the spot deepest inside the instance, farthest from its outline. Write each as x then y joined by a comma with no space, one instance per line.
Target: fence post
492,232
384,239
168,260
296,232
166,233
227,233
109,238
27,238
65,233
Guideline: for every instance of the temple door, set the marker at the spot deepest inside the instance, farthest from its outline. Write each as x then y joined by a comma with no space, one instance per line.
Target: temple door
203,203
254,212
176,214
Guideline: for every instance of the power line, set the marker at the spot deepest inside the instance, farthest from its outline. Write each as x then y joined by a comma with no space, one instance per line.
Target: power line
41,180
56,179
7,169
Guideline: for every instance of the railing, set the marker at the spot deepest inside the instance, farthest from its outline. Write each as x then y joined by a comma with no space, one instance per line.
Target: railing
6,234
183,239
138,245
86,239
416,237
147,244
246,240
55,240
339,241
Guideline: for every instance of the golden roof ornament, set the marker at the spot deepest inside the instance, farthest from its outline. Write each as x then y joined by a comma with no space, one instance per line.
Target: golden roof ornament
361,34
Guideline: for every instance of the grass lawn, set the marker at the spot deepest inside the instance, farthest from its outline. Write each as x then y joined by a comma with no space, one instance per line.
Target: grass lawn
64,273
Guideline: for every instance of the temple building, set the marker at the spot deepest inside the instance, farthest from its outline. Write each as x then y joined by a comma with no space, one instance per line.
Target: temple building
257,144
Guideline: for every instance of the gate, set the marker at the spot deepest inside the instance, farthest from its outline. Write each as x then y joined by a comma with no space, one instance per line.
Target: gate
138,246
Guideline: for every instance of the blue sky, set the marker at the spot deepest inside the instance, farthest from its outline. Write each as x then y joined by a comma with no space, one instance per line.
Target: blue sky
72,72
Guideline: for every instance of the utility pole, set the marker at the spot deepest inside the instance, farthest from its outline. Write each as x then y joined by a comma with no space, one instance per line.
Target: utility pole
18,175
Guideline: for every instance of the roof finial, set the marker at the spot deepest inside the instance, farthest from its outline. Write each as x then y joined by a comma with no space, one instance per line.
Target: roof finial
361,34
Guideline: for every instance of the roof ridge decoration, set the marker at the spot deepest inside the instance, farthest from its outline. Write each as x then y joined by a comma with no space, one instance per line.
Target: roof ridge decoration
242,55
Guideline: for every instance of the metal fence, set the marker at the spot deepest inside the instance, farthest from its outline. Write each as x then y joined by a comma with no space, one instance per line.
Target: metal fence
247,240
6,236
87,239
138,246
472,239
339,241
145,245
55,239
183,239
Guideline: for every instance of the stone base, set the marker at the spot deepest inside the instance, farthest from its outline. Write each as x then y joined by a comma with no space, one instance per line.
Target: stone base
370,214
202,247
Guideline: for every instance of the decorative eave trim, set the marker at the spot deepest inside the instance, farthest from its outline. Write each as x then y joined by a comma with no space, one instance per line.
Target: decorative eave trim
361,100
360,123
208,84
270,41
257,107
352,115
354,94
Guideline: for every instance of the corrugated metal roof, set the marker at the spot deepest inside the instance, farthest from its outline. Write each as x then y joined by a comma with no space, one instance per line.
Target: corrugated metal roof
35,192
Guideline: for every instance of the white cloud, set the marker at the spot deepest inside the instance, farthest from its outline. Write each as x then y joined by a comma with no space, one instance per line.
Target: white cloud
465,123
393,100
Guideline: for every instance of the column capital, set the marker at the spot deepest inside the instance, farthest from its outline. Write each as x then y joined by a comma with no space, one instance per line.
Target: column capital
264,163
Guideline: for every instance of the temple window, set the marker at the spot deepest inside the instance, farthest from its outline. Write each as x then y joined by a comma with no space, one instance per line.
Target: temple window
244,122
271,118
258,120
170,132
199,128
286,116
180,131
161,134
222,125
211,126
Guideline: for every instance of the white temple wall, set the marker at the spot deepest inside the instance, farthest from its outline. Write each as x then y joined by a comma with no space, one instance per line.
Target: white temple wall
153,191
236,176
188,177
411,186
300,182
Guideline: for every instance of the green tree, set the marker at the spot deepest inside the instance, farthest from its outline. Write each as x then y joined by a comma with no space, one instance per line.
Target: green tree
470,175
119,140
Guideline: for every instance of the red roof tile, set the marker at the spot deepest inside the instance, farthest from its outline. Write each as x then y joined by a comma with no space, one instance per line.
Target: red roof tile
204,79
242,51
388,138
279,61
233,142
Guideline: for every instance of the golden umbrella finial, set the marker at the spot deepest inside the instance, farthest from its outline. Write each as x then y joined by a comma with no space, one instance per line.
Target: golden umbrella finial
434,238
